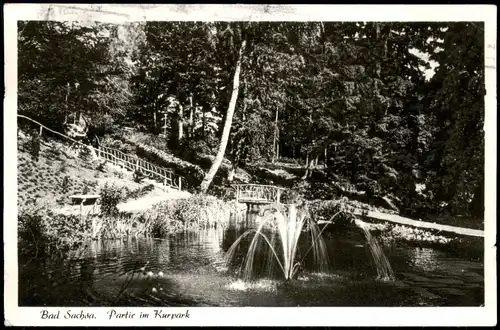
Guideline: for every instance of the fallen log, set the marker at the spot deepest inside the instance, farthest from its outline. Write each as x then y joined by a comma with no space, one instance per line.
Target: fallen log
394,218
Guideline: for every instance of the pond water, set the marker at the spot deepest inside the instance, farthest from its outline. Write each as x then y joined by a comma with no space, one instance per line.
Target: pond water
189,269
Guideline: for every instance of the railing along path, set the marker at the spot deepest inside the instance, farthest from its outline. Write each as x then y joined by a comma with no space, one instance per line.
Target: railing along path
133,163
258,194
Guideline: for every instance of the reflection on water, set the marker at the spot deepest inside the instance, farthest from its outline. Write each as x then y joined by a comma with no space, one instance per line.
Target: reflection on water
424,259
187,269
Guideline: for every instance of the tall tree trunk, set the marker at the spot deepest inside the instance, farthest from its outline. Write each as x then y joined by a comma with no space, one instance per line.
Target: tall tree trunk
238,147
191,116
181,122
227,126
203,123
275,139
309,166
231,173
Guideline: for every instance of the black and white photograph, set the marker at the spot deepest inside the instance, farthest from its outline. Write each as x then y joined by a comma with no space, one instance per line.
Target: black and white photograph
211,162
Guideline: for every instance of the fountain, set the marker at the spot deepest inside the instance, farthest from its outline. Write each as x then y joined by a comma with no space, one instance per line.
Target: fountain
286,228
384,269
279,229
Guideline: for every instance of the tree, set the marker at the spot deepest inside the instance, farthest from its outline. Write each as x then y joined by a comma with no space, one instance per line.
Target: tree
455,107
227,125
71,68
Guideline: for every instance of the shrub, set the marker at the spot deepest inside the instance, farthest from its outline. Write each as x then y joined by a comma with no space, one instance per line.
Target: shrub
63,167
34,146
85,154
138,176
225,193
139,192
195,212
110,197
66,184
192,173
325,210
88,186
290,196
316,190
41,232
100,166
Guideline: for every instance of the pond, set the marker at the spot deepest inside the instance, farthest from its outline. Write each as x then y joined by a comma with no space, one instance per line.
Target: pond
189,269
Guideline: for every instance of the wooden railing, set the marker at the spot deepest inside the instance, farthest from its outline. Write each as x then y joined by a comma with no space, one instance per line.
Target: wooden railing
166,176
258,193
133,163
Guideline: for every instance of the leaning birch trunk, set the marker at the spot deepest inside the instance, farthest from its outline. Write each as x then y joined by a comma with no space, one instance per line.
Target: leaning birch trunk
227,126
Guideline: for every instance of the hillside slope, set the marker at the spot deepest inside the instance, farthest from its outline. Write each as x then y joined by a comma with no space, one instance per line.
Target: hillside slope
62,170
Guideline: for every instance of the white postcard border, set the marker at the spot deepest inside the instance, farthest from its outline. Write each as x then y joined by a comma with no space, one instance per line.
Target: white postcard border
206,316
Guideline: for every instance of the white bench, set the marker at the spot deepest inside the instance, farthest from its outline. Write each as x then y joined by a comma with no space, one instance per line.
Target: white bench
81,199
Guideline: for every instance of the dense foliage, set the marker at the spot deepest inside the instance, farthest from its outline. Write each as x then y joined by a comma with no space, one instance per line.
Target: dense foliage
354,96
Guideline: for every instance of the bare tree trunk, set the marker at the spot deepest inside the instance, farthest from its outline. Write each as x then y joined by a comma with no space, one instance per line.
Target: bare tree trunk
191,116
314,164
326,157
181,122
275,139
230,175
227,126
309,166
237,149
203,124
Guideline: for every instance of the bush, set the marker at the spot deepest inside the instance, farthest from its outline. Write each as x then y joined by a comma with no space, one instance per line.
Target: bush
225,193
110,197
325,210
195,212
65,184
192,173
138,176
85,154
316,190
100,166
139,192
41,232
291,196
34,146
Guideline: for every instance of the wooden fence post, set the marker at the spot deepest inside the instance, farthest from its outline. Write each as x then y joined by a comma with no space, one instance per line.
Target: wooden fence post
180,183
41,128
278,195
237,193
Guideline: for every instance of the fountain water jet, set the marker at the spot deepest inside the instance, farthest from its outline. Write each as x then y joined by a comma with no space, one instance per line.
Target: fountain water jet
384,269
287,228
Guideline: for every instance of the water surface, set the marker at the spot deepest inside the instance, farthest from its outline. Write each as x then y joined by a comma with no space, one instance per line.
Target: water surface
188,269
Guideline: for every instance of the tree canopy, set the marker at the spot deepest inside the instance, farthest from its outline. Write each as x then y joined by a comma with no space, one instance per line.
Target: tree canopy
353,95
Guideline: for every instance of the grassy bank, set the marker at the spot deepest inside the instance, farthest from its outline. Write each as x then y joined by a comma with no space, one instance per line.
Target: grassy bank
43,232
390,234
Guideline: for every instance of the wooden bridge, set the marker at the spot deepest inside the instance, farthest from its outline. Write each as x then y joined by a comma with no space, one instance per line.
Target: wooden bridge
258,194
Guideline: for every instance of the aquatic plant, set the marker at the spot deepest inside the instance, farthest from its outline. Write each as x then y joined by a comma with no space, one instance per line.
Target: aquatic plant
401,233
194,212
